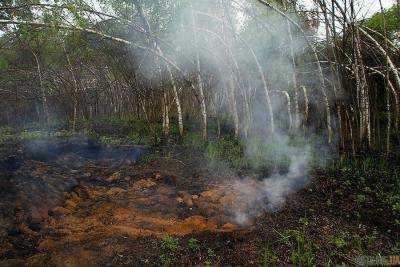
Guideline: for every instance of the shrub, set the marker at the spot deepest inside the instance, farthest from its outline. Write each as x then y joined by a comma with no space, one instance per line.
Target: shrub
170,243
193,141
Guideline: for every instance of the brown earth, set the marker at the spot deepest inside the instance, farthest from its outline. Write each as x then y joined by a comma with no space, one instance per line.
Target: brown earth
101,212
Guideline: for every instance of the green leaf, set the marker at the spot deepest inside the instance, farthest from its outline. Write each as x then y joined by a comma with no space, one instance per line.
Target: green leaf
71,8
3,63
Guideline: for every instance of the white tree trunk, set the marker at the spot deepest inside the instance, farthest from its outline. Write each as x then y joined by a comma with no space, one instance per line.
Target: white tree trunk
199,81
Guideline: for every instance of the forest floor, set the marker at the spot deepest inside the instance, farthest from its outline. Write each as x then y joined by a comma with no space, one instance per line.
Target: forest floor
73,203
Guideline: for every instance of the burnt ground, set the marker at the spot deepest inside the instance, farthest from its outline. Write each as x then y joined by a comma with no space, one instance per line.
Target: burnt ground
76,203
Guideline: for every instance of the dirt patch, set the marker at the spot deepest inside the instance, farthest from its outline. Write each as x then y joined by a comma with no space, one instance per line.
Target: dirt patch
67,196
75,209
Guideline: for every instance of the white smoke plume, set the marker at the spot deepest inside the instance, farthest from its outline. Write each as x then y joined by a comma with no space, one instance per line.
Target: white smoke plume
214,32
269,194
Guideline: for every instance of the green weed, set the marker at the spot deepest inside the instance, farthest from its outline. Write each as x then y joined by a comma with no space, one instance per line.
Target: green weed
32,135
169,245
210,257
193,244
337,240
302,249
268,258
110,140
6,134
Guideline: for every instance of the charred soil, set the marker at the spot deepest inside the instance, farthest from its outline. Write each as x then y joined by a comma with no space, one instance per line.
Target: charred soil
76,203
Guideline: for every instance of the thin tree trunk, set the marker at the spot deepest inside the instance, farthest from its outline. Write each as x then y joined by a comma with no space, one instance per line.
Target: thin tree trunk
43,93
287,96
353,147
387,78
320,72
199,81
294,73
75,105
391,65
361,83
166,125
231,87
306,105
330,43
260,71
171,77
233,104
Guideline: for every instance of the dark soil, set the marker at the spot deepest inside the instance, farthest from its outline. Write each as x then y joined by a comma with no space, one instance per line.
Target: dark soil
76,203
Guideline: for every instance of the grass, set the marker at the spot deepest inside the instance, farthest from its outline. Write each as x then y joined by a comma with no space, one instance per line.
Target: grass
268,257
210,257
169,245
302,248
172,250
6,134
375,179
254,154
193,244
338,241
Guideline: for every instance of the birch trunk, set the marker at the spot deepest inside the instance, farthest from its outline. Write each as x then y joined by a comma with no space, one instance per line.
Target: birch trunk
294,74
75,106
233,105
306,105
171,77
390,63
199,81
43,93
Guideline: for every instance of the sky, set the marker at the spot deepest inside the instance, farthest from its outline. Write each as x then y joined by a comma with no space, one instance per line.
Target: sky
366,7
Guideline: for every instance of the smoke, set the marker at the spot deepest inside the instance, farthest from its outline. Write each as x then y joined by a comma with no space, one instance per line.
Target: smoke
270,192
245,50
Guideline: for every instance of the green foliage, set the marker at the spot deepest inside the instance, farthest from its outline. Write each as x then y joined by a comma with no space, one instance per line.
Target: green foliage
194,141
254,153
338,241
110,140
302,253
225,150
165,260
134,138
267,155
124,130
63,134
268,258
390,17
3,63
146,159
193,244
32,135
361,198
6,134
396,248
10,134
210,257
364,173
170,243
29,135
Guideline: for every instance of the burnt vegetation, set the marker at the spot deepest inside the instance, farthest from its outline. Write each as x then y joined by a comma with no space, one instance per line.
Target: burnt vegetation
185,133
